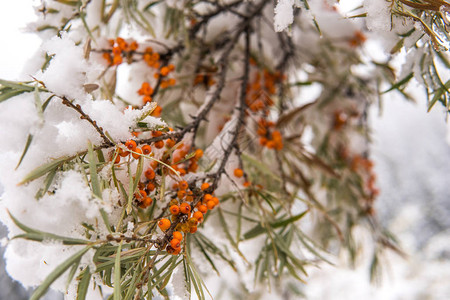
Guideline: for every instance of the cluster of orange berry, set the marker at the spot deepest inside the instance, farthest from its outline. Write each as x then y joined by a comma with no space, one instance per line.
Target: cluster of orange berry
181,212
163,74
120,49
183,165
360,163
261,89
151,58
134,150
206,79
147,91
269,137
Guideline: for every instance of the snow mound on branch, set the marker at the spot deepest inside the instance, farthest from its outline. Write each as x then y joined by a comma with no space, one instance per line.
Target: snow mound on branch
284,14
66,73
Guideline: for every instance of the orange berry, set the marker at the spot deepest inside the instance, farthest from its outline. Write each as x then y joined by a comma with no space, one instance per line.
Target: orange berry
154,164
123,153
193,229
177,235
117,60
146,149
181,194
146,202
117,160
204,186
215,200
207,197
198,153
150,186
156,133
159,144
170,143
116,51
183,185
193,221
171,67
164,84
189,198
164,224
175,243
164,71
238,173
157,111
270,144
210,204
133,46
142,194
130,144
107,56
174,210
247,184
147,99
149,174
202,208
137,154
198,215
185,208
176,251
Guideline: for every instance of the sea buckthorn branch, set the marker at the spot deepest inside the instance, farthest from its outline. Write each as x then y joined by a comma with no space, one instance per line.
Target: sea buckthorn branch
106,141
241,108
206,18
222,64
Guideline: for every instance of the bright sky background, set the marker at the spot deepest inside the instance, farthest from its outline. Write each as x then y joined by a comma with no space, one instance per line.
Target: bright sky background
17,46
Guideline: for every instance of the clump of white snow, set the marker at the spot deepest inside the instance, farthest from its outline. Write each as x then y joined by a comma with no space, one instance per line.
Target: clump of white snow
284,14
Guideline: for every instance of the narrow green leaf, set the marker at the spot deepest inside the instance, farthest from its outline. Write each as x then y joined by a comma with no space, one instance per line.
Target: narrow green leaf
24,152
164,278
400,83
72,272
83,285
259,229
38,103
37,235
47,182
139,170
133,282
228,235
57,272
254,232
130,191
117,284
95,183
68,2
44,169
286,222
17,85
21,225
105,219
437,95
9,93
44,236
46,103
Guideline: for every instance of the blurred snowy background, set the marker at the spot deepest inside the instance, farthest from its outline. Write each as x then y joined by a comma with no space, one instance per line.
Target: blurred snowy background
411,150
